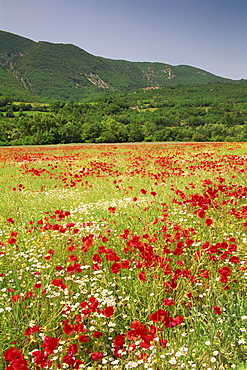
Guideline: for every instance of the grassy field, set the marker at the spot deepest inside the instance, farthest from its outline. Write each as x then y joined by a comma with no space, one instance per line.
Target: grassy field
123,256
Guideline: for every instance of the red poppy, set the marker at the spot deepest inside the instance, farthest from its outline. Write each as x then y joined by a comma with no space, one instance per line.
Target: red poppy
97,334
59,283
234,259
87,242
158,315
73,349
115,268
93,304
96,258
108,311
83,338
40,358
125,264
168,302
50,344
12,240
208,221
11,220
72,258
97,356
16,359
217,310
69,359
225,271
16,297
163,343
142,276
68,329
205,274
37,285
32,329
118,340
59,268
28,295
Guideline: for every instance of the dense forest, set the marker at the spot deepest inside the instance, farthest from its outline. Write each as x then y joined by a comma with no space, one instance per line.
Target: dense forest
209,112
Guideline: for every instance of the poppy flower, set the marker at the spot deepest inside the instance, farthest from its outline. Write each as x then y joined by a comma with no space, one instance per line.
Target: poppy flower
73,349
50,344
208,221
217,310
157,315
16,297
168,302
205,274
16,359
12,240
93,304
83,338
69,359
37,285
225,271
31,330
142,276
97,334
115,268
97,356
118,340
108,311
11,220
40,358
234,259
96,258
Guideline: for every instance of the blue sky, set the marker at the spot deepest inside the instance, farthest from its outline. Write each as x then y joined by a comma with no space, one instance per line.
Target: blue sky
211,35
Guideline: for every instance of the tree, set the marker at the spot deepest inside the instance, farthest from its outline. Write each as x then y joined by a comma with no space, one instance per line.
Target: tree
69,133
91,131
135,133
198,137
10,112
113,131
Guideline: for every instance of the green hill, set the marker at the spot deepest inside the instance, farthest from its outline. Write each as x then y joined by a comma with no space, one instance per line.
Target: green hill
45,71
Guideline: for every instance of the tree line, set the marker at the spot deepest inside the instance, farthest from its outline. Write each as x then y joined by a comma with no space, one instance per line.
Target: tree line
213,112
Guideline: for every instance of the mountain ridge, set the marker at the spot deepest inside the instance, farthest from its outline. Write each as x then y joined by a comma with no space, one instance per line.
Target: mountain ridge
56,71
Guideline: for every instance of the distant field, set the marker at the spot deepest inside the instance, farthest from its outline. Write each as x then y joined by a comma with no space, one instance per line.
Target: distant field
123,256
32,104
31,112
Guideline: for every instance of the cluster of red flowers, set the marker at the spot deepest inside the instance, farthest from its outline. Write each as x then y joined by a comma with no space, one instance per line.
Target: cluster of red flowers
16,359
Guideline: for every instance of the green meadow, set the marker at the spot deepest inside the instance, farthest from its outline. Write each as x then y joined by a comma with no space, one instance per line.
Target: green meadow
123,256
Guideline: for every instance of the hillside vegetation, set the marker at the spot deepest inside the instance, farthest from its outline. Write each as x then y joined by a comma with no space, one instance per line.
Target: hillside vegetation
209,112
41,71
57,93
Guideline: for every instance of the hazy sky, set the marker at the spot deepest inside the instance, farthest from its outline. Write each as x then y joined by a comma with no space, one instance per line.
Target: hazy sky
208,34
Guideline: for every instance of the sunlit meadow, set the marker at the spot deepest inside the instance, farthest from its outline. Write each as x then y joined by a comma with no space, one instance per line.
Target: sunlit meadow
123,257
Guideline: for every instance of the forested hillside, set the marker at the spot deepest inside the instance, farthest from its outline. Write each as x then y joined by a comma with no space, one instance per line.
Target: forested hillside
42,71
209,112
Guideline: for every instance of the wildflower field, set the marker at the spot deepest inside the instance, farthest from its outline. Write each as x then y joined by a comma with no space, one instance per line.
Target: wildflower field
123,256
